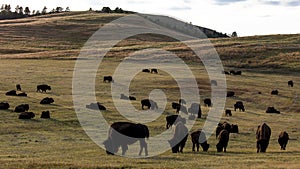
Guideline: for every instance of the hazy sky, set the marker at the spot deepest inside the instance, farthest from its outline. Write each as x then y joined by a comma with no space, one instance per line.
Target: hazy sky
246,17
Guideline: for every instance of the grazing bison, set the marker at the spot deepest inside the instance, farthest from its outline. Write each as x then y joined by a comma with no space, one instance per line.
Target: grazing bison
26,115
207,102
195,140
176,106
230,94
43,88
290,83
223,141
154,71
4,106
21,108
23,94
226,72
263,134
195,109
239,105
228,112
122,134
283,139
171,120
238,72
274,92
146,70
45,115
108,79
149,103
234,128
11,93
126,97
18,87
214,82
272,110
96,106
47,100
180,137
218,130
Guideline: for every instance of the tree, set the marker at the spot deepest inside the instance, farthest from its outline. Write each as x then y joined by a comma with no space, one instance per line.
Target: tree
38,12
21,10
234,34
44,11
27,11
67,9
119,10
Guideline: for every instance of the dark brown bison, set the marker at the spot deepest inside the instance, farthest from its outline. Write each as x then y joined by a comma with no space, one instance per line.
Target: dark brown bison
176,106
214,82
234,128
283,139
230,94
122,134
21,108
272,110
108,79
154,71
218,130
18,87
146,70
171,120
47,100
11,93
223,138
226,72
263,134
179,138
43,88
207,102
122,96
195,140
23,94
195,109
96,106
274,92
228,112
45,115
239,105
290,83
4,106
149,103
26,115
238,72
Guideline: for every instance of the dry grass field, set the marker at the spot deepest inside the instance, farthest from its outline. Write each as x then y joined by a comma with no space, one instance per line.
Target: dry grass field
44,49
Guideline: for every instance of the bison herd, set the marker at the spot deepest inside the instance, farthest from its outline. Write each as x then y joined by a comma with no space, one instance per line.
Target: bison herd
24,108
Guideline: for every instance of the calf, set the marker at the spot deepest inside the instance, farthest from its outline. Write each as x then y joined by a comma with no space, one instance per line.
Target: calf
283,139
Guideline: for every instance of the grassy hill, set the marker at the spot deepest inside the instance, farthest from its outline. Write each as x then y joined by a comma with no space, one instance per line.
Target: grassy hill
43,49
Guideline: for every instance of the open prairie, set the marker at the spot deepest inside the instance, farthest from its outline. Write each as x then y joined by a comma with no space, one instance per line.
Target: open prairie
43,50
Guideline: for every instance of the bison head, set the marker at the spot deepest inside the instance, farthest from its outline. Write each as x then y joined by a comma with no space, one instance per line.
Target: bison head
111,149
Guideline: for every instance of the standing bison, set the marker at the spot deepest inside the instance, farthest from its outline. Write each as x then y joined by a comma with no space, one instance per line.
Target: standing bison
149,103
239,105
179,138
42,88
283,139
122,134
290,83
195,109
195,140
207,102
108,79
263,134
223,141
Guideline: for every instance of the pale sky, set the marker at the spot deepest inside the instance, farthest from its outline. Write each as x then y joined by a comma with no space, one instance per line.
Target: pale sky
246,17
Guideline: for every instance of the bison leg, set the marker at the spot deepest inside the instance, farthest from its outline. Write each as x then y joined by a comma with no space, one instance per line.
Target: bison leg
197,146
143,144
124,149
257,146
193,149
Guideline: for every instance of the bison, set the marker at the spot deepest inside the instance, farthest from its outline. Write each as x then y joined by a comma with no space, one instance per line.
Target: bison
108,79
230,94
234,128
290,83
154,71
263,134
122,134
43,88
23,94
214,82
171,120
4,106
146,70
283,139
239,105
272,110
21,108
18,87
195,140
26,115
11,93
195,109
96,106
207,102
149,103
47,100
228,112
274,92
180,137
223,141
45,115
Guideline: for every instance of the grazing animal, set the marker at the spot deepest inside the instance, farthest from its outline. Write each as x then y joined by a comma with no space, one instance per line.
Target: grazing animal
126,97
18,87
290,83
214,82
234,128
195,140
228,112
4,106
21,108
47,100
171,120
11,93
132,98
180,137
226,72
195,109
108,79
230,94
149,103
45,115
26,115
154,71
96,106
226,126
274,92
223,138
238,72
176,106
146,70
23,94
122,134
239,105
207,102
283,139
43,88
272,110
263,134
